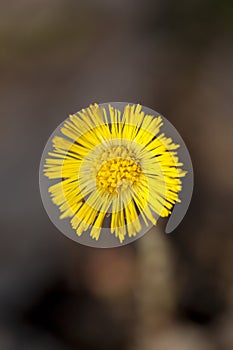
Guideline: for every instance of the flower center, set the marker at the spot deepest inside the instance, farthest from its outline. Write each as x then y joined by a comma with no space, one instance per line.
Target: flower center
118,173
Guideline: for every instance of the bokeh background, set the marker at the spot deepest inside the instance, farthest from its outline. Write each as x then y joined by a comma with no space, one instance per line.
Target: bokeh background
163,291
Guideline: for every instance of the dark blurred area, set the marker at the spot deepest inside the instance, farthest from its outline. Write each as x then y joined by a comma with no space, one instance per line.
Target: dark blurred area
163,291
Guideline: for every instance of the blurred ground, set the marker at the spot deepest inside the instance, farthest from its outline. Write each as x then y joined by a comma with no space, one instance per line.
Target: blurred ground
160,292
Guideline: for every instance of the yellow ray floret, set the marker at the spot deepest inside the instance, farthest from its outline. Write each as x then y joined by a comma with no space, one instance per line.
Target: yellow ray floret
113,167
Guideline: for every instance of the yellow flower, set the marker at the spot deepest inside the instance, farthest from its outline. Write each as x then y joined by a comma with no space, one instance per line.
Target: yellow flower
113,169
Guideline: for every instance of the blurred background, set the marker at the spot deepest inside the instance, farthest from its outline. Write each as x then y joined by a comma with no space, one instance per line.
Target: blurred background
163,291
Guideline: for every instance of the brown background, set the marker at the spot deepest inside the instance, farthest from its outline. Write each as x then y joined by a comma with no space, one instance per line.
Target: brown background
163,291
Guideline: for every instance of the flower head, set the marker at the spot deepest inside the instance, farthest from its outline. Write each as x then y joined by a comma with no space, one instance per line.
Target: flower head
113,169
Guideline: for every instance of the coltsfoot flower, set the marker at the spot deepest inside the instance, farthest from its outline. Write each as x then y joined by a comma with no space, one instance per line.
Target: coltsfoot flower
113,169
